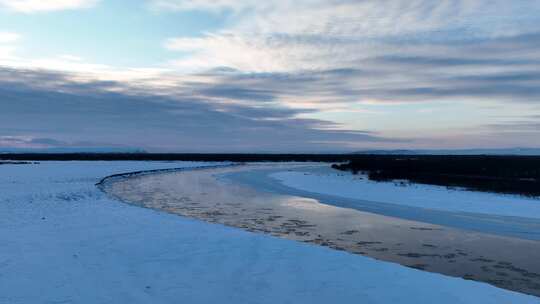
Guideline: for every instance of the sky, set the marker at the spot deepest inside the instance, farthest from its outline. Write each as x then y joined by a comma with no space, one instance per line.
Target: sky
269,76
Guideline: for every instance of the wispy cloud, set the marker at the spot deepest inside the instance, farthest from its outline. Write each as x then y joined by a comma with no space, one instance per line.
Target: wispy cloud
34,6
393,51
7,45
29,142
291,35
8,37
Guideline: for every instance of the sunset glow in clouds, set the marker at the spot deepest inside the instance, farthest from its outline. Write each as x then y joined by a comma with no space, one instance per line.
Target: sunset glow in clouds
246,75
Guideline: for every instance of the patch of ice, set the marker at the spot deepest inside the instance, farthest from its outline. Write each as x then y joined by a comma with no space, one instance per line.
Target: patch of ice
413,195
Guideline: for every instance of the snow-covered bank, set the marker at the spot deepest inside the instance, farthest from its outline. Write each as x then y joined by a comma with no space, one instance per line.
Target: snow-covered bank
412,195
63,241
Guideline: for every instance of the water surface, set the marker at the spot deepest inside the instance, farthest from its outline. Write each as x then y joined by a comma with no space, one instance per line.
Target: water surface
506,262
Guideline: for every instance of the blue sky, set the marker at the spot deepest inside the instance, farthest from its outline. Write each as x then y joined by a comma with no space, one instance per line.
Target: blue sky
111,32
246,75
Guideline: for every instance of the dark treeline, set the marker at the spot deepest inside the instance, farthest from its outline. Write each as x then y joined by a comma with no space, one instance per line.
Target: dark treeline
14,163
502,174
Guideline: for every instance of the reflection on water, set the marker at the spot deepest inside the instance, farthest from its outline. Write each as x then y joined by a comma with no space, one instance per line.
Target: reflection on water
505,262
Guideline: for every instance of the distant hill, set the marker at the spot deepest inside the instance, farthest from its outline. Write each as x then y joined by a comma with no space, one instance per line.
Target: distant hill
74,150
508,151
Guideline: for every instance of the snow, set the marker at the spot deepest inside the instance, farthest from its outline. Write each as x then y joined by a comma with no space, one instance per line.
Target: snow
64,241
413,195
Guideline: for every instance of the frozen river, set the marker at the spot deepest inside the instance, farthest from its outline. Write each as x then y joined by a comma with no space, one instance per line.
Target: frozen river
206,194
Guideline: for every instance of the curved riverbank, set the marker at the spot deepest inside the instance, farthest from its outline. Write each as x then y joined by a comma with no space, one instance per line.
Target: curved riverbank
204,194
510,226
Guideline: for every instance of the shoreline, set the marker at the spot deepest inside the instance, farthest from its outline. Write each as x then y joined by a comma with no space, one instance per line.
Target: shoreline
417,245
510,226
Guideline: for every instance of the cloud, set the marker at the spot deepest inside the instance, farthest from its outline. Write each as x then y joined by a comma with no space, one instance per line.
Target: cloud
469,74
7,45
343,51
216,5
8,37
56,110
524,124
292,70
379,19
34,6
372,17
28,142
246,53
